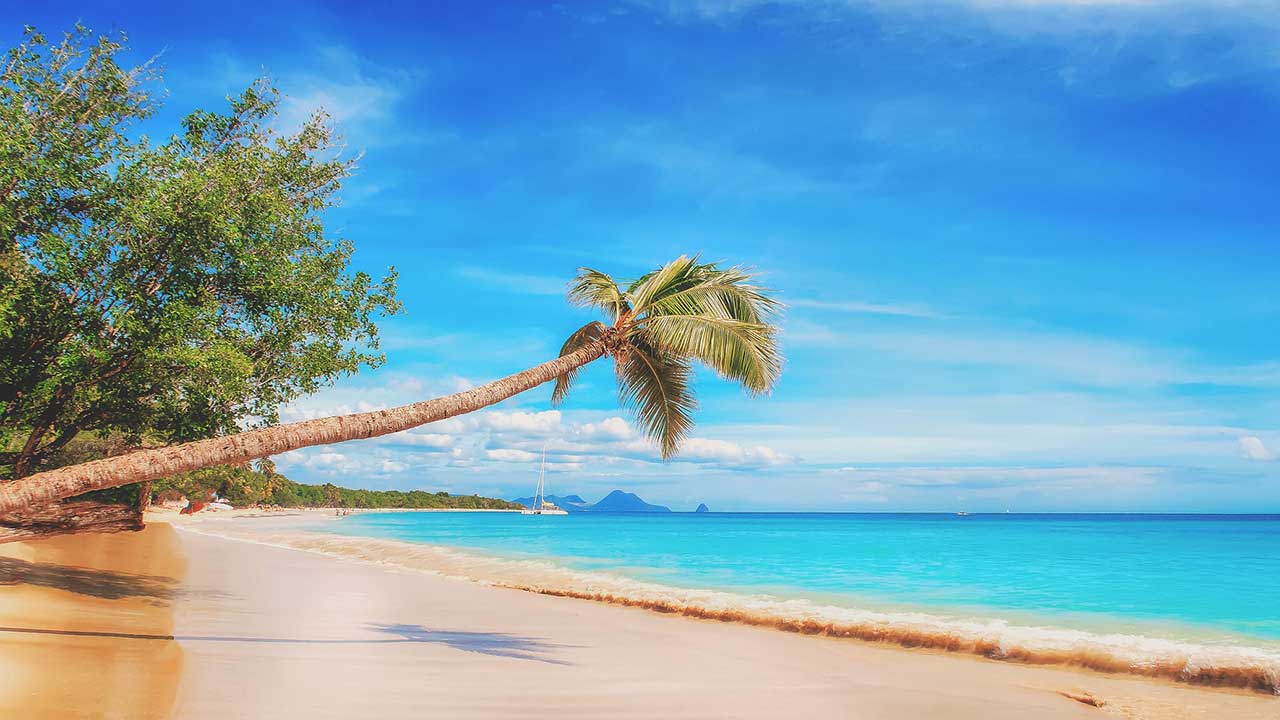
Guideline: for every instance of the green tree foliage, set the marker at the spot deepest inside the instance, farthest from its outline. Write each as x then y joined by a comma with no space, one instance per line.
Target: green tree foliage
172,289
262,485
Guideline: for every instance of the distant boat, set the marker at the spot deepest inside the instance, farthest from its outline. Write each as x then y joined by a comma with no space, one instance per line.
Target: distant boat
540,504
962,513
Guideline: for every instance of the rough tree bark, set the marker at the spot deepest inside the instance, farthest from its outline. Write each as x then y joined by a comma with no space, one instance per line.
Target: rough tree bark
43,488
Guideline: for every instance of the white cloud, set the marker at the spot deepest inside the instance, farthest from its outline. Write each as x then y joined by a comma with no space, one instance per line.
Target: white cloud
326,462
329,458
360,96
614,428
1254,449
729,453
392,466
510,455
504,436
417,438
391,390
531,423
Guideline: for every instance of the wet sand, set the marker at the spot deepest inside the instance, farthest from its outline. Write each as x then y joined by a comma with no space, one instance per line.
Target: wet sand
274,632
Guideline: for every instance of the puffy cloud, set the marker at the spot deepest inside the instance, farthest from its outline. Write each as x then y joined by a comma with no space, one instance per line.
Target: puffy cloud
326,462
1254,449
499,441
417,438
523,436
502,421
392,466
510,455
614,428
532,423
729,453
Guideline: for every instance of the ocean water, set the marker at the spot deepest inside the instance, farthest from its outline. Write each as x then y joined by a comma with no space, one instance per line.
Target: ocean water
1191,596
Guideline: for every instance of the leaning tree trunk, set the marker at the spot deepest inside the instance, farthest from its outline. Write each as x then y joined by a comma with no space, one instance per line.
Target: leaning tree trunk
45,487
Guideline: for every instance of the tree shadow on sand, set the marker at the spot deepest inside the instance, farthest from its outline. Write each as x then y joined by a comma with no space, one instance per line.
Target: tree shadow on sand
85,581
484,643
517,647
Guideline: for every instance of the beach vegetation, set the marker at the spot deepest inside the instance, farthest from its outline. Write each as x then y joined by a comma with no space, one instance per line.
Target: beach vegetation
165,289
259,484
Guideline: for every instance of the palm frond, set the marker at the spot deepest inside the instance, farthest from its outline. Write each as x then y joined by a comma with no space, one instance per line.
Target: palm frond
583,336
743,351
592,288
675,275
656,387
684,311
728,294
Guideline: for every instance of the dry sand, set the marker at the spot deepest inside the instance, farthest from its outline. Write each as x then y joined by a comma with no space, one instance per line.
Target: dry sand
268,632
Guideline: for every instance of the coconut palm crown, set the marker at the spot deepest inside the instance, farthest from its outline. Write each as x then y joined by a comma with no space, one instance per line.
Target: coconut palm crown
664,321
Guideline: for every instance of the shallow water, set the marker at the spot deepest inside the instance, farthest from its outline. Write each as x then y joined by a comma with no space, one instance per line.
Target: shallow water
1169,595
1215,575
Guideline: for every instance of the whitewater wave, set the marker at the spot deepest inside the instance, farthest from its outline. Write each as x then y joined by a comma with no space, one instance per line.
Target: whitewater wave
1233,665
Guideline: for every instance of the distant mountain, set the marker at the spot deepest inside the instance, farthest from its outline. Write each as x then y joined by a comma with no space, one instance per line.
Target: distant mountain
572,503
616,501
702,507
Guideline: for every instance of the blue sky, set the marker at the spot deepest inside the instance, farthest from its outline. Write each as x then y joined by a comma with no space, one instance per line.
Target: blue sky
1030,249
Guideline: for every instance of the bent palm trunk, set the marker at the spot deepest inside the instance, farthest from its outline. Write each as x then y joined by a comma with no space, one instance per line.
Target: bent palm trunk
45,487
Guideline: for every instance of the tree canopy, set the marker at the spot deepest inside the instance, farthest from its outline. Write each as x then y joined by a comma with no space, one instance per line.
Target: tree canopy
166,290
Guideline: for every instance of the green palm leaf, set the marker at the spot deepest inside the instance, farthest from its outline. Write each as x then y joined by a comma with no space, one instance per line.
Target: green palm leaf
675,275
592,288
718,293
583,336
743,351
684,311
656,387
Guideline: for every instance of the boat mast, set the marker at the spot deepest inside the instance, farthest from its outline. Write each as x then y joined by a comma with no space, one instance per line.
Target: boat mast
542,488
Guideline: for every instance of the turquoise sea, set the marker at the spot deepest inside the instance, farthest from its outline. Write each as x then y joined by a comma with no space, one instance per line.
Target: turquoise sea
1140,586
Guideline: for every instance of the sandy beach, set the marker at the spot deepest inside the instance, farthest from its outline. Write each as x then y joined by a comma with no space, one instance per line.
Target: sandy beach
175,623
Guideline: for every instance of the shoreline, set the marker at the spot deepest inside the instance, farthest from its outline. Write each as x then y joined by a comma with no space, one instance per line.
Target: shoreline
267,631
1186,662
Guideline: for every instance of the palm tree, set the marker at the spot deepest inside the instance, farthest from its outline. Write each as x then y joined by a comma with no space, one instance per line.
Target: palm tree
656,328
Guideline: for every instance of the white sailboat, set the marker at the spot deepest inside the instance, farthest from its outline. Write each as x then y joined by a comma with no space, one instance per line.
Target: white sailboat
540,504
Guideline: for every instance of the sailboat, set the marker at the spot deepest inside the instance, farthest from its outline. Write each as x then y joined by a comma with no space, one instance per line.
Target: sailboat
540,504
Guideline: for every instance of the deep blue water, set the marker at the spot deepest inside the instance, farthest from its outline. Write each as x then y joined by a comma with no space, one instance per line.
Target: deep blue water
1197,574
